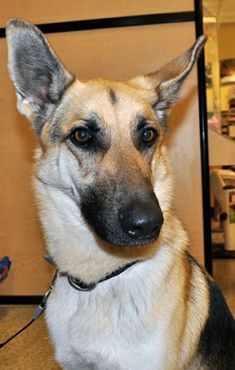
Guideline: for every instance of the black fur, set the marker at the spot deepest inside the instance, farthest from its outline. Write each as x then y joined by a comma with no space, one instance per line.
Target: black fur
217,342
216,348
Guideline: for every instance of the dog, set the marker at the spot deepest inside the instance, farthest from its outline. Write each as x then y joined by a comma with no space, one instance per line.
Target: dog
128,295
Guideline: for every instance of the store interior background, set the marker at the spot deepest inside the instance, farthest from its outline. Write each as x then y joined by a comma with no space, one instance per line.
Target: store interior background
219,26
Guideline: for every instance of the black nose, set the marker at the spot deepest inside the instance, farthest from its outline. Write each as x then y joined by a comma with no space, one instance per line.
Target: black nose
141,219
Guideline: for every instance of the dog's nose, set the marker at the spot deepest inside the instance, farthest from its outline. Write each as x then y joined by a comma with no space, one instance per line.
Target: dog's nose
141,219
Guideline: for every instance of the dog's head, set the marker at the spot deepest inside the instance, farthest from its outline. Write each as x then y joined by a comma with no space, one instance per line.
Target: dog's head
101,140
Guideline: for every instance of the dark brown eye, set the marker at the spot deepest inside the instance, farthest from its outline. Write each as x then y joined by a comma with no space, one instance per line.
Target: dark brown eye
149,135
81,136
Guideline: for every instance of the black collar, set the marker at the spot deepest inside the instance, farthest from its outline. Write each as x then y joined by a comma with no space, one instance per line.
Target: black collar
81,285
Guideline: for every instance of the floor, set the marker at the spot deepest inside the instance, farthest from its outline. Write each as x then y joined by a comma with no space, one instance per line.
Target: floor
32,349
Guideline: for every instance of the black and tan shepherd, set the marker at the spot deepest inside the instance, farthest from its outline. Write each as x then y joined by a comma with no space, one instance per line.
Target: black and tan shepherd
128,296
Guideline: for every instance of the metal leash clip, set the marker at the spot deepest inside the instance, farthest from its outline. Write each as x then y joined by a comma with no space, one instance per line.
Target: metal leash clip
42,306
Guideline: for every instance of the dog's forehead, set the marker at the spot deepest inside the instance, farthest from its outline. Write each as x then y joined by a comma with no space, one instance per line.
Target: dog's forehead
107,99
112,91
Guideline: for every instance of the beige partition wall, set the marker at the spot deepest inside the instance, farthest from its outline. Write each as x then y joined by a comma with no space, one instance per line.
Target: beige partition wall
45,11
117,53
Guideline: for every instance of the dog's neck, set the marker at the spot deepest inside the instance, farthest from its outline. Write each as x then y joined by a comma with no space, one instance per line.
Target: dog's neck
80,285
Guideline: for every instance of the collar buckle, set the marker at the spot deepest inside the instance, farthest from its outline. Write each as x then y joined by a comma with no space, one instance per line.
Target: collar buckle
79,285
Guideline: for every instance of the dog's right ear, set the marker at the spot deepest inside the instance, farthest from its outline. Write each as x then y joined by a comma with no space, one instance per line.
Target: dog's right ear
167,81
38,76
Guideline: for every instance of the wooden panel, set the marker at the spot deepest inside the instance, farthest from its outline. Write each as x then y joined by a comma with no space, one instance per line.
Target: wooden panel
224,275
44,11
221,149
184,148
114,53
226,41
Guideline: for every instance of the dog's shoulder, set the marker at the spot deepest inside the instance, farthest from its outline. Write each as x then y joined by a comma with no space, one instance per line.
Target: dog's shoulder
216,347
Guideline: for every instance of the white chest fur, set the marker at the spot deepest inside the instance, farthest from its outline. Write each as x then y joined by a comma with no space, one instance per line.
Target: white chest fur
112,327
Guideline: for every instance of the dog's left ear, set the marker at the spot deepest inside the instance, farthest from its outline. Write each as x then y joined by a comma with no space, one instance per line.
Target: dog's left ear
39,77
167,80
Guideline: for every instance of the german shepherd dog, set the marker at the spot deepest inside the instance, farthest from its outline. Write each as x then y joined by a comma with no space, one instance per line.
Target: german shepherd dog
128,296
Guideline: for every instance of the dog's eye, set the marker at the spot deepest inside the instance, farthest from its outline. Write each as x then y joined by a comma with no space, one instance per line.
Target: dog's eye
81,136
149,135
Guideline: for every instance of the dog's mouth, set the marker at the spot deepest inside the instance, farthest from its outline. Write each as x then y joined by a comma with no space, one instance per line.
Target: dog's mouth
124,241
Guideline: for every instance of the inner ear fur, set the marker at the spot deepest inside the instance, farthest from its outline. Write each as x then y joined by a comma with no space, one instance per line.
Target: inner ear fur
166,82
37,74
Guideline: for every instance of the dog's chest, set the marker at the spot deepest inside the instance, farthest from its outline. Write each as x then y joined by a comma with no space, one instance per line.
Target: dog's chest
94,331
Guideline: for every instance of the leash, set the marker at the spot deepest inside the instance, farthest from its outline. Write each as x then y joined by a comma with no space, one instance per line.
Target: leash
37,313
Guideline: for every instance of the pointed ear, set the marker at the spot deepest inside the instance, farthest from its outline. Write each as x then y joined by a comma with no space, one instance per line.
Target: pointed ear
38,76
167,81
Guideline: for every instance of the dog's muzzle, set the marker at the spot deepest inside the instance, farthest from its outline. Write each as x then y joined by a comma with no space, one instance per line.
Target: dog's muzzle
121,218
